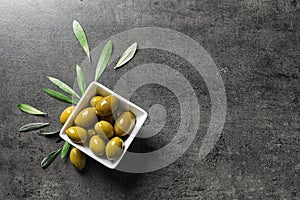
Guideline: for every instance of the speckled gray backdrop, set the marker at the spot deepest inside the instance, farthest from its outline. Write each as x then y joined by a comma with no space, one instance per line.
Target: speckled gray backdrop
256,46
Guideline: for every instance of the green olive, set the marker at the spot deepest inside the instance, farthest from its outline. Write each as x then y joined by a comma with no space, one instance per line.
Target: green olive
95,100
86,118
114,148
77,134
97,145
106,106
124,124
109,119
91,132
66,114
104,129
78,159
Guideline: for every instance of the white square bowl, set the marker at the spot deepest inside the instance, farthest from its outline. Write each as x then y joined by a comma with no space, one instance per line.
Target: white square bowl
93,89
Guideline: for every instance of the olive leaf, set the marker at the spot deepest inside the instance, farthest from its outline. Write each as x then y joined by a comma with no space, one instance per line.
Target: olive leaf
127,55
59,96
80,79
31,110
65,149
64,87
32,126
50,133
81,37
49,159
103,59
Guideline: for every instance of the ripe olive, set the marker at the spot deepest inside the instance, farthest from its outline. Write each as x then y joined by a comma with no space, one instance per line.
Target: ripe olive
95,100
66,114
77,134
114,148
104,129
78,159
97,145
106,106
124,124
109,119
86,118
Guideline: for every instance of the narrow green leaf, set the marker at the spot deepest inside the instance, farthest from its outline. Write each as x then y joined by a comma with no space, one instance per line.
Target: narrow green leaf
32,126
49,159
81,37
64,87
80,79
127,55
103,59
31,110
65,149
59,96
50,133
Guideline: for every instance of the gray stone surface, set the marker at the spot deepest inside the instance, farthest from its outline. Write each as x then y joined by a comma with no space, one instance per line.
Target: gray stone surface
256,46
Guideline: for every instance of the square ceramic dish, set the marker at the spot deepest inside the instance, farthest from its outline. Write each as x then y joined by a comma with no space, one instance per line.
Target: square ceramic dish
97,89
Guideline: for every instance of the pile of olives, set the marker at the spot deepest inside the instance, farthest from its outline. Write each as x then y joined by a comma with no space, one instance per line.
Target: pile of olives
96,127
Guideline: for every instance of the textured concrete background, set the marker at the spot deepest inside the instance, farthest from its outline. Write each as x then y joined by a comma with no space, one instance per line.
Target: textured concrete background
256,46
